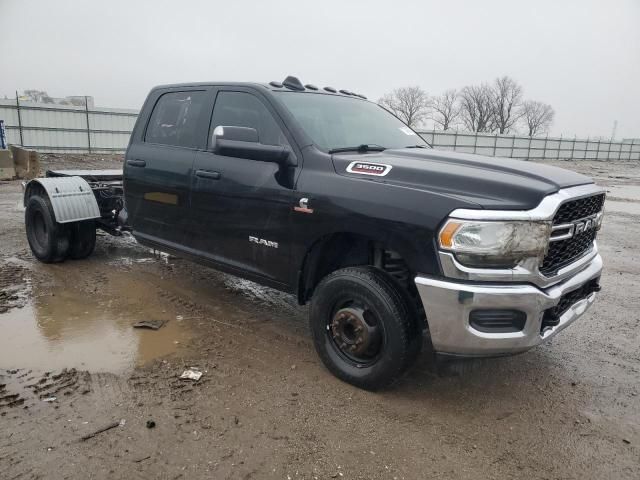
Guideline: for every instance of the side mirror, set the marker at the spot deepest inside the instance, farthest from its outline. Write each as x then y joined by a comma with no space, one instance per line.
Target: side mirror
243,142
239,134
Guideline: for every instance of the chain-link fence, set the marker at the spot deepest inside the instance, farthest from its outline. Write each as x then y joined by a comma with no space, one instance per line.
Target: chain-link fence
534,148
49,127
62,128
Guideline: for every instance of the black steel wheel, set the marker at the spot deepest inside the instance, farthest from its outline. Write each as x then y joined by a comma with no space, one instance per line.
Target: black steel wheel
48,240
356,333
364,328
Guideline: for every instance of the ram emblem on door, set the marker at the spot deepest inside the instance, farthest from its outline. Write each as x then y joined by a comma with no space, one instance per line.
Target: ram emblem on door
262,241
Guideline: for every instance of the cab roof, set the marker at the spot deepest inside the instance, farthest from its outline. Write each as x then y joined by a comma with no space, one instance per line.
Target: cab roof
289,84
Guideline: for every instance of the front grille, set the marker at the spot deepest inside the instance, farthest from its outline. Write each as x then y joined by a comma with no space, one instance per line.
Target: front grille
552,315
564,252
577,209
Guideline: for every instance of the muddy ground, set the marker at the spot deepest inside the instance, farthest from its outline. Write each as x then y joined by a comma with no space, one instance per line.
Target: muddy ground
71,364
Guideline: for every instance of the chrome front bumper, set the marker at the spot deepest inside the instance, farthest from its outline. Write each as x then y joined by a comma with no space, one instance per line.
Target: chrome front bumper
448,304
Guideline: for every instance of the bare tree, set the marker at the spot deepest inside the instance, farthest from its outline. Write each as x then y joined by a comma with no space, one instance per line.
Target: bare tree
39,96
476,108
537,116
446,109
410,104
507,102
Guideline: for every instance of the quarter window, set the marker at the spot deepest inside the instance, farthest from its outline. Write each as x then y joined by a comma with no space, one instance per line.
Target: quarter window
240,109
174,119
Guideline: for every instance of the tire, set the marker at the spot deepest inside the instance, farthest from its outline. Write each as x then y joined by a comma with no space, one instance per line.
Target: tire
48,239
83,239
364,327
416,337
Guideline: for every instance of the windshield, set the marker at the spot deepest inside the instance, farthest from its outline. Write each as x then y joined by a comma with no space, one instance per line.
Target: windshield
335,122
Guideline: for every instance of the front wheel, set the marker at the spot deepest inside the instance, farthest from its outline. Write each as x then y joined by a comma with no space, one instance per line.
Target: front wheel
363,326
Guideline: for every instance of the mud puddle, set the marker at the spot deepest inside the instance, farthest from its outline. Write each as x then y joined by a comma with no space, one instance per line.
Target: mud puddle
81,322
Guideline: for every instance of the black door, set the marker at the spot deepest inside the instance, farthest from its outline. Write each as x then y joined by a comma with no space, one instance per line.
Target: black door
241,207
158,166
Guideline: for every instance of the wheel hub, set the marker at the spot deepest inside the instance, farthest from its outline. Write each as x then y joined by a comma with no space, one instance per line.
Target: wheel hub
351,332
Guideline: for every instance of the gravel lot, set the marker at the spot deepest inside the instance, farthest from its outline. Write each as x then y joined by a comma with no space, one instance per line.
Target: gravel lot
265,407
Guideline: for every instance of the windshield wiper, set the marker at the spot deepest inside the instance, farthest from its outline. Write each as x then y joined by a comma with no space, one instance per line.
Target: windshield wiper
365,147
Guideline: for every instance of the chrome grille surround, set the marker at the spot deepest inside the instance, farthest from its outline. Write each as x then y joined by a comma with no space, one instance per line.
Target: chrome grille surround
529,270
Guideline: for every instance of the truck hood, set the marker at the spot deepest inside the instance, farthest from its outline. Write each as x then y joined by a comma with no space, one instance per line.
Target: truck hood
489,182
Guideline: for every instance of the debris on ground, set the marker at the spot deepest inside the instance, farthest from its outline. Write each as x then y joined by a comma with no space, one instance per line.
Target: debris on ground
106,428
191,373
49,399
151,424
150,324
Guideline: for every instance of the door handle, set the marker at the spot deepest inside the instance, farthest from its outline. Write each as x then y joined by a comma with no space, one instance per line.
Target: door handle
137,163
208,174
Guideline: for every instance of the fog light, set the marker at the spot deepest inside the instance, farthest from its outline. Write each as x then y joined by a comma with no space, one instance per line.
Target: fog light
498,321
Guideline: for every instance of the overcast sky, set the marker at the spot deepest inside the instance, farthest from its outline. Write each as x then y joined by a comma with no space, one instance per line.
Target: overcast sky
581,56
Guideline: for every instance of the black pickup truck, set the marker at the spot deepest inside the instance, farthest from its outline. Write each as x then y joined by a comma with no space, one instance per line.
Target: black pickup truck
330,197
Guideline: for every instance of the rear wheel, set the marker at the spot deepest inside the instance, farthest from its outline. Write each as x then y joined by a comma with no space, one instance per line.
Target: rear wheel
364,329
83,239
48,239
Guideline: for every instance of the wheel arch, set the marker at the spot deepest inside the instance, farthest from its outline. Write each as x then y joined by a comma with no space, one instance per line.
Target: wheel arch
343,249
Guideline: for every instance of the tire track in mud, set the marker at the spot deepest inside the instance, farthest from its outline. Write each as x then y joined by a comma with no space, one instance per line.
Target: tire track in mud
83,403
29,390
246,329
228,287
14,285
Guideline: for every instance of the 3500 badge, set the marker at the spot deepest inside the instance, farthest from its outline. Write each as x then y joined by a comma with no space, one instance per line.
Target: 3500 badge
367,168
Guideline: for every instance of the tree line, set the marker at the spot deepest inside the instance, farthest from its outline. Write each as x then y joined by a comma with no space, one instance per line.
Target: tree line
497,107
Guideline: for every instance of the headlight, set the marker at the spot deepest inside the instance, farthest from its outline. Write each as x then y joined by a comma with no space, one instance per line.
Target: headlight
494,244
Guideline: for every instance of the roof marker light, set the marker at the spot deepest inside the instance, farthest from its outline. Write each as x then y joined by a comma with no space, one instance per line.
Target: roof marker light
331,89
293,83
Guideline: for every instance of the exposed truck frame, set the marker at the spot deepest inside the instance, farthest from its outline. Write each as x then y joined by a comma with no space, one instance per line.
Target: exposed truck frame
80,195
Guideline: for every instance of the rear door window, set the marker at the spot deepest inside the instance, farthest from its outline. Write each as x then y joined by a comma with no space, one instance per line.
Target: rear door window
241,109
175,119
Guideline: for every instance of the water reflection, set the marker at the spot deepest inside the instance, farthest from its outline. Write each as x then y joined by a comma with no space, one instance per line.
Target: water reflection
66,328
